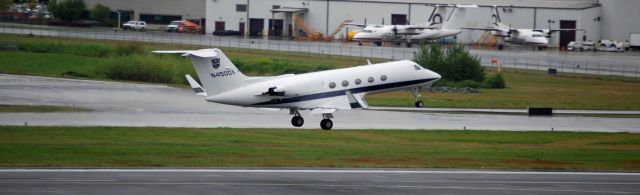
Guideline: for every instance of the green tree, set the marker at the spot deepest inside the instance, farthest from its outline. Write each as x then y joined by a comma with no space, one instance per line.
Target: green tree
454,64
101,14
52,6
5,4
67,10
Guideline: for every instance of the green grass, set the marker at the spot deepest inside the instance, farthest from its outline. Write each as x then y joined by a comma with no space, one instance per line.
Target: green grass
184,147
40,108
531,89
51,64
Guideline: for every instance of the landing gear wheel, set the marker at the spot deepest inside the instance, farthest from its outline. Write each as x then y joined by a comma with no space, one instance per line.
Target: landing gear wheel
409,45
500,46
419,104
326,124
378,43
297,121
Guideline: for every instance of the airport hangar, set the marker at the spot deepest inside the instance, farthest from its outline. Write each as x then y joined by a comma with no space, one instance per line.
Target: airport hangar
601,19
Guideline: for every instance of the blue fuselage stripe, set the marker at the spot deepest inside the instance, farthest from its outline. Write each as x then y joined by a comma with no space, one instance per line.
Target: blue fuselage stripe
342,92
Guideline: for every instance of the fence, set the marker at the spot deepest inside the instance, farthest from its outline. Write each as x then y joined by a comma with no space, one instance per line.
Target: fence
605,68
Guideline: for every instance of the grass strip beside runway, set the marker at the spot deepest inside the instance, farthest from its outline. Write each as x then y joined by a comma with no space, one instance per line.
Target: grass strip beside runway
186,147
40,108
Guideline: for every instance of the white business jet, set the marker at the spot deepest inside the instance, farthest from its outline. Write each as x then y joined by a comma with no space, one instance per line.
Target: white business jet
322,92
439,25
534,37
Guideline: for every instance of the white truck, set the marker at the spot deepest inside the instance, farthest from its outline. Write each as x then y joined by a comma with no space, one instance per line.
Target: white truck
134,25
607,45
634,41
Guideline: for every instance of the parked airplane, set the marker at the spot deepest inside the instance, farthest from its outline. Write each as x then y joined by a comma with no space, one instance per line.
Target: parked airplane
437,27
535,37
321,92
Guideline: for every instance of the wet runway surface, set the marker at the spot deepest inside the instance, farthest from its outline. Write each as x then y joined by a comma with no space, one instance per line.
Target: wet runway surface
311,181
129,104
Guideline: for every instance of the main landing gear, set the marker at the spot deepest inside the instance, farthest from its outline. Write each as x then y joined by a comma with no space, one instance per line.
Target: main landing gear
298,121
416,92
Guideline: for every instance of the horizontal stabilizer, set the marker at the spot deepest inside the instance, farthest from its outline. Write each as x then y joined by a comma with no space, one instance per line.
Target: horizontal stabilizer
195,86
203,53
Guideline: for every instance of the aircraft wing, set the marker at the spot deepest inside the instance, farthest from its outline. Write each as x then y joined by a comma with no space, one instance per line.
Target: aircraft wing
555,30
422,27
479,28
356,24
343,102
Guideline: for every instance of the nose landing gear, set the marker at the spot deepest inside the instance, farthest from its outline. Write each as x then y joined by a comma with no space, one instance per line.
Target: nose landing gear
416,92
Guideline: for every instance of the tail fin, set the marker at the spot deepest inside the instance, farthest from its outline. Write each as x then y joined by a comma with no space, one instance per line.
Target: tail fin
456,18
496,17
438,16
216,72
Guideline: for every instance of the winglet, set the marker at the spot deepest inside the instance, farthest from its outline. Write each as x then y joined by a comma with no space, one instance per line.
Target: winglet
195,86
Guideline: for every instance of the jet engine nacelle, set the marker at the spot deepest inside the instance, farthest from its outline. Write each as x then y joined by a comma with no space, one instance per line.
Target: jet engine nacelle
294,89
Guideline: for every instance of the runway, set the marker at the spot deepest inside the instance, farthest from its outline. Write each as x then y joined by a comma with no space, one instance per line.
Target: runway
311,181
145,105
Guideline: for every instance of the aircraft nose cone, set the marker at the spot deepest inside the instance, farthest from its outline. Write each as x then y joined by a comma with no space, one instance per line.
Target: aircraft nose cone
438,77
357,36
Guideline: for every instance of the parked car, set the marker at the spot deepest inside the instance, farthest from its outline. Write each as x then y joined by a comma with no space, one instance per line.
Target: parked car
226,32
173,26
134,25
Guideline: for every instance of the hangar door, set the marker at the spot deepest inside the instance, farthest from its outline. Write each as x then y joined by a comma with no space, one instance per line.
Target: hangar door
567,36
256,25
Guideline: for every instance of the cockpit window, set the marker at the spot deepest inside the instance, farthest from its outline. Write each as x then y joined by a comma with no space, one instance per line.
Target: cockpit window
417,67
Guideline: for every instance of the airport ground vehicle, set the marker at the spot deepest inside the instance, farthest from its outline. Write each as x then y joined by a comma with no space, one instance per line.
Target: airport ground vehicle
135,25
183,26
581,46
634,41
226,32
607,45
173,26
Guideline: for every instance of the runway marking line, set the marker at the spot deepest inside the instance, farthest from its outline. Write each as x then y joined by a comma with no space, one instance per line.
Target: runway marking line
317,171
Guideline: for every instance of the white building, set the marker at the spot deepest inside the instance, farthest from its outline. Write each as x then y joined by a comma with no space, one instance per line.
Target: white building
601,19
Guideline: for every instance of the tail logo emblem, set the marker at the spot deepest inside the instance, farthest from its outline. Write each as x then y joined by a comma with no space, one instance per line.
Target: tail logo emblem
215,62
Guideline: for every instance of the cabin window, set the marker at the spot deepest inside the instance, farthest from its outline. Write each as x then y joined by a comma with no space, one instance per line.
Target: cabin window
345,83
370,80
332,85
383,77
358,81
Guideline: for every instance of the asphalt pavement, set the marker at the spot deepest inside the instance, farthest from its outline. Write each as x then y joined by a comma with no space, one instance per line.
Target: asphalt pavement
311,181
145,105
